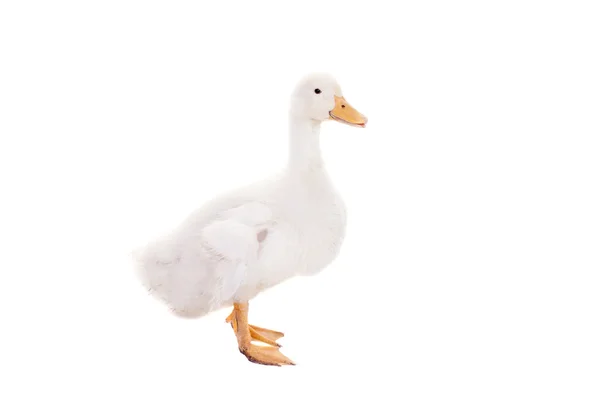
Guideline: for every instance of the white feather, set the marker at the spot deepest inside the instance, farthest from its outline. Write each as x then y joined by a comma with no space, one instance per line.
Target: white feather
256,237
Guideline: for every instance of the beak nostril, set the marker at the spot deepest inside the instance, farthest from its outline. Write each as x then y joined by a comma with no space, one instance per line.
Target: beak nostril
343,106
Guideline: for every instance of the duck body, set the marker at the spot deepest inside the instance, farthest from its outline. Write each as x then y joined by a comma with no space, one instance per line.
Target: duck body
247,241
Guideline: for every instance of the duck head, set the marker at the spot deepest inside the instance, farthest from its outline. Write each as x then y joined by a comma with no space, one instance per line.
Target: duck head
319,97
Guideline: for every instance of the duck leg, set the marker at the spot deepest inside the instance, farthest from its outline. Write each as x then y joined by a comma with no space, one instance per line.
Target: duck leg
245,333
257,333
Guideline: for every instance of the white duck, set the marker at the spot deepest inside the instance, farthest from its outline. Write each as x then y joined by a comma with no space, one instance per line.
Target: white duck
253,238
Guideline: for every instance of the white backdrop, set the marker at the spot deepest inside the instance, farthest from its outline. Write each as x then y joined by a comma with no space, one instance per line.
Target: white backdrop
470,269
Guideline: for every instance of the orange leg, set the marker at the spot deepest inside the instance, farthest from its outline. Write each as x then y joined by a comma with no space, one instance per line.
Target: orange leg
266,336
245,333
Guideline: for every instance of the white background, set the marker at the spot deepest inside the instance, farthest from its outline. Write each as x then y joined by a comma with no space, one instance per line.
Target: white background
471,266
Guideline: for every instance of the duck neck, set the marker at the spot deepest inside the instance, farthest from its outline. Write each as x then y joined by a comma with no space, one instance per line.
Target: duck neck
304,145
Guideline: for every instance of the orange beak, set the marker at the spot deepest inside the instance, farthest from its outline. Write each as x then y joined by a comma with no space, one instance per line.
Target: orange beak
344,112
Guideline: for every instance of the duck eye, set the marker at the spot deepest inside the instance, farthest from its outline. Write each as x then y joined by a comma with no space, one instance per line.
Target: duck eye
317,91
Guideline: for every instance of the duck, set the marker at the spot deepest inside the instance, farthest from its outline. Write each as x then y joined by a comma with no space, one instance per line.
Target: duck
250,239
